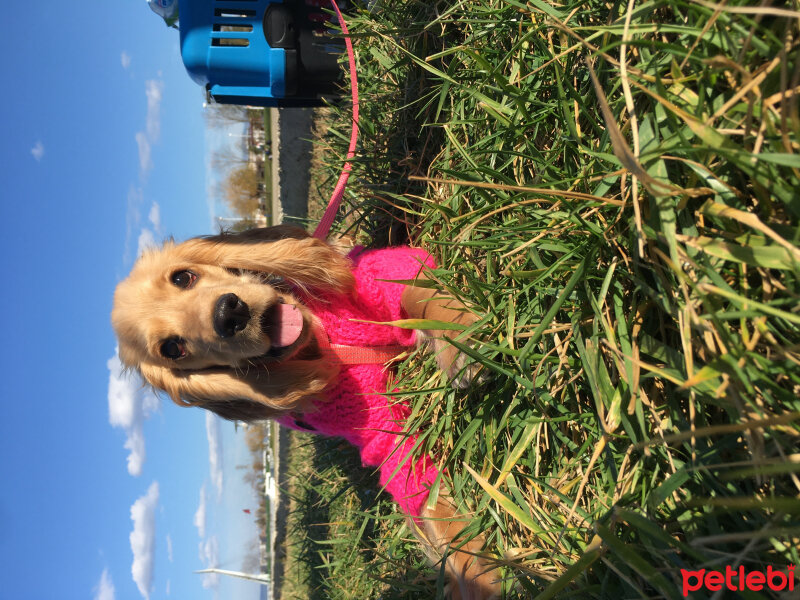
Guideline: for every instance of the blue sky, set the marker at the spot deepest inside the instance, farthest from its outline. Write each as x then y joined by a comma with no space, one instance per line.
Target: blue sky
107,491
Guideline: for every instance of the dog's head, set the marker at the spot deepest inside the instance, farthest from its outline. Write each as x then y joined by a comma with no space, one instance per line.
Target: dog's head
215,321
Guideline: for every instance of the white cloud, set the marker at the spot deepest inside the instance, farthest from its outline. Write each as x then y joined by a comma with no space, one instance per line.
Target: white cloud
145,159
125,59
105,587
168,587
146,240
129,404
214,452
133,221
153,89
169,547
209,556
38,151
143,515
200,515
155,216
133,218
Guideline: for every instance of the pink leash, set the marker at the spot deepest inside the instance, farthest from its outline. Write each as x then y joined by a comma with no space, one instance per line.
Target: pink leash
325,223
349,355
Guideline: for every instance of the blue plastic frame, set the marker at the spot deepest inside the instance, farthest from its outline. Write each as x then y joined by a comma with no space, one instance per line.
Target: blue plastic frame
251,74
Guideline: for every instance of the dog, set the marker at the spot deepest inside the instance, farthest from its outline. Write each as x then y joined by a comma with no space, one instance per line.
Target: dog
275,324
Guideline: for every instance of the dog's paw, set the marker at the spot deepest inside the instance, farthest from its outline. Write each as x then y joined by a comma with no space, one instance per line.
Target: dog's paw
464,372
461,369
474,579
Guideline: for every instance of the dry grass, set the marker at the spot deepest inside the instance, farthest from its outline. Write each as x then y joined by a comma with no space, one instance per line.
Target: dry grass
614,186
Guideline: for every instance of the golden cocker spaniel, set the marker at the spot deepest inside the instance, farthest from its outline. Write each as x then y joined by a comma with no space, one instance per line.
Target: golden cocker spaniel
225,322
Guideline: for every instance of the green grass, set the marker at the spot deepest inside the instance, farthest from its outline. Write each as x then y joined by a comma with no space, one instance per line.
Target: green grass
632,248
342,539
268,167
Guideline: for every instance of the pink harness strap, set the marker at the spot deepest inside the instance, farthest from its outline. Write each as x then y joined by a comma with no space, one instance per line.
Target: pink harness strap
360,355
357,355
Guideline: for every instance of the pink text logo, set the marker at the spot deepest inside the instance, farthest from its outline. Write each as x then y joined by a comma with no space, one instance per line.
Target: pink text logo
737,580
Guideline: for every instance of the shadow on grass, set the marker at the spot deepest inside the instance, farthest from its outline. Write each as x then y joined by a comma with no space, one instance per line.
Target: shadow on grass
338,535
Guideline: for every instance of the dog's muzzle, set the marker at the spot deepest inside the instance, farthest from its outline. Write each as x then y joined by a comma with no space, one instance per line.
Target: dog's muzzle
231,315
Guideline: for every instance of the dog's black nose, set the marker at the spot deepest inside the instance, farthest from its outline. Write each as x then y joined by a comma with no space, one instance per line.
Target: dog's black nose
230,315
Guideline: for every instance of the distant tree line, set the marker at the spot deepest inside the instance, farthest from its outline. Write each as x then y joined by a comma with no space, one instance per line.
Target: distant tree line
242,182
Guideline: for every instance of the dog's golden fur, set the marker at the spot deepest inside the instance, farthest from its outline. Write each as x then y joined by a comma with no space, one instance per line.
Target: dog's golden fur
238,376
218,374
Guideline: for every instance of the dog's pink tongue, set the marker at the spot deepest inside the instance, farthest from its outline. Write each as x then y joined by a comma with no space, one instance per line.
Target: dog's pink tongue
288,326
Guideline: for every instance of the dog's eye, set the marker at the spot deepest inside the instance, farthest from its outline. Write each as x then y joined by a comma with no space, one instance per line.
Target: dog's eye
173,348
183,279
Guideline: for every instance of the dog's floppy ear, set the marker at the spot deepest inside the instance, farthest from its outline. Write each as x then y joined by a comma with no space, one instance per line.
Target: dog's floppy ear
245,395
289,252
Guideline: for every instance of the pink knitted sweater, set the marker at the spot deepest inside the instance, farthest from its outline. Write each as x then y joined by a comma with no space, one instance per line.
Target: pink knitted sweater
356,406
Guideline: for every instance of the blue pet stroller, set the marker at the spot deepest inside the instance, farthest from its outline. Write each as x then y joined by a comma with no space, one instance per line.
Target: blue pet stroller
260,52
